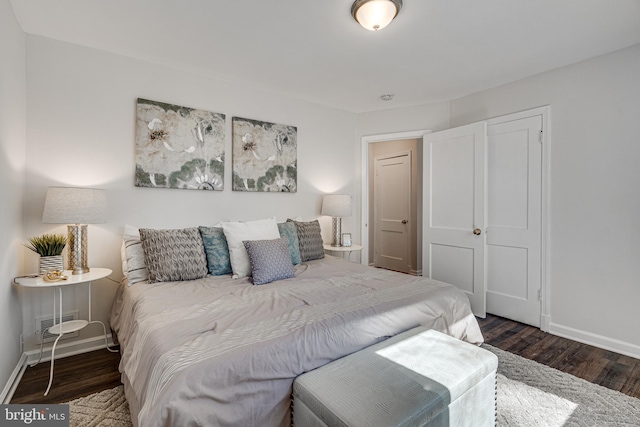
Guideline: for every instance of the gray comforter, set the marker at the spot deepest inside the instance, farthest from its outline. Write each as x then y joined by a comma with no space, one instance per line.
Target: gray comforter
222,352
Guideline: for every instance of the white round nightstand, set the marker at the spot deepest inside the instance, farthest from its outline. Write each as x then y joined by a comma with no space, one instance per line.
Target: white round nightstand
60,328
343,249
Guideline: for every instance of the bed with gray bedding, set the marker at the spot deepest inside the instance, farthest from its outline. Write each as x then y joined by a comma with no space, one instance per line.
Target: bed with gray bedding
219,351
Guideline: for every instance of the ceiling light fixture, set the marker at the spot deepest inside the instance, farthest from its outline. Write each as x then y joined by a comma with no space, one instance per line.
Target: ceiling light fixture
374,15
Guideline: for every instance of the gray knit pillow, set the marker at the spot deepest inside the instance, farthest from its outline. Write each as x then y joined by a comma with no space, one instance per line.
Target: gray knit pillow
310,240
270,260
173,255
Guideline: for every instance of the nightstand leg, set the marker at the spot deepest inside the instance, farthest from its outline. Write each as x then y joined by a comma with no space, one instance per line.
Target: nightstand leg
104,328
53,353
90,303
106,342
41,345
53,349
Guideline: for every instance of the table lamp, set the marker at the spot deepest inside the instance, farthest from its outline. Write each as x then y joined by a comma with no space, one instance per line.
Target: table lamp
336,206
77,206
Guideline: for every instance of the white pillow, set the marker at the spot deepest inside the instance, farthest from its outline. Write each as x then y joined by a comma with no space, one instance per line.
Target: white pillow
123,258
133,231
133,263
236,232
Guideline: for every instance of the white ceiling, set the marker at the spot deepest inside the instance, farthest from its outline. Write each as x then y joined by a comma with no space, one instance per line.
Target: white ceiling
313,49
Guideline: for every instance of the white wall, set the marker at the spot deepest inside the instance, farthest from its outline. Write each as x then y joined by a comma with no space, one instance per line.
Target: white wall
432,117
12,164
595,195
80,132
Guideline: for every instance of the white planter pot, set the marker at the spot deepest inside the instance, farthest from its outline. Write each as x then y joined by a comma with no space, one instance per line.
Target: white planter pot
53,262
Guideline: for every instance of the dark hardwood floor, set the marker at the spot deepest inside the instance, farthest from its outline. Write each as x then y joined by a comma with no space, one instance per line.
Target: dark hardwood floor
81,375
74,377
603,367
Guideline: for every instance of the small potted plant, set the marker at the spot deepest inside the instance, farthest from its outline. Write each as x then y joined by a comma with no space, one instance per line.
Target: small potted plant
49,247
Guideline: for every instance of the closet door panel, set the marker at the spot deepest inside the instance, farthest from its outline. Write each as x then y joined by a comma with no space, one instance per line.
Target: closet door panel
514,197
454,210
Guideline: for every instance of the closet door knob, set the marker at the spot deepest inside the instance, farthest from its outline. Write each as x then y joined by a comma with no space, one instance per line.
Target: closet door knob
477,231
404,221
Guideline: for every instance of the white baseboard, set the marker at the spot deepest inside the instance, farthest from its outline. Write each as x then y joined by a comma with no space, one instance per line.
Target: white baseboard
62,350
70,349
595,340
14,380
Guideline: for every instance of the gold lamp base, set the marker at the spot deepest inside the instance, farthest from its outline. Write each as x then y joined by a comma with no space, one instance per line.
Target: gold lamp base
78,248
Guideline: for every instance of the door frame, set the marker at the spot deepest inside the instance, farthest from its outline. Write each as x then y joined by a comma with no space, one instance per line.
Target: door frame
364,192
545,237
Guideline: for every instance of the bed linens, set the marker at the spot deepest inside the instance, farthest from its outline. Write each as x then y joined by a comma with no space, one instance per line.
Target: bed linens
218,351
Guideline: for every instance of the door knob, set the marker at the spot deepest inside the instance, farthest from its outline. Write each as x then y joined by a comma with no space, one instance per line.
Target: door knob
404,221
477,231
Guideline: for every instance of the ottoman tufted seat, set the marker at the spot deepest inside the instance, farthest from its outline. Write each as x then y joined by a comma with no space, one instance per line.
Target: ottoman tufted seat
418,378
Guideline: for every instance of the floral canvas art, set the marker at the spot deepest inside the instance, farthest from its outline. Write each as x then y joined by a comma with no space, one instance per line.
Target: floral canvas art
264,156
179,147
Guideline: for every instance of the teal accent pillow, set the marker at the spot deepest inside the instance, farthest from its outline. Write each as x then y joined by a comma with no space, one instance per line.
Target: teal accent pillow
288,230
270,260
217,250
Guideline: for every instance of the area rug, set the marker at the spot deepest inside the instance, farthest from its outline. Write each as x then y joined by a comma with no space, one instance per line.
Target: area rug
532,394
529,395
107,408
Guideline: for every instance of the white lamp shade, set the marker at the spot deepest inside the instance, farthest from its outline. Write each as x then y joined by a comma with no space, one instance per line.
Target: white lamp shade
374,15
336,205
74,205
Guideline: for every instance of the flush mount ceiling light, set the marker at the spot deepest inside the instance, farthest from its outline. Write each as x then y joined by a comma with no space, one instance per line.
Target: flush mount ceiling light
374,15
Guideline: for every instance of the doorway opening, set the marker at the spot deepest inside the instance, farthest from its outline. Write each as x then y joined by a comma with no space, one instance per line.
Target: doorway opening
391,233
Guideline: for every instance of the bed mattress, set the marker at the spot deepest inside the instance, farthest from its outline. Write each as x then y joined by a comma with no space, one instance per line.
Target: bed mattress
222,352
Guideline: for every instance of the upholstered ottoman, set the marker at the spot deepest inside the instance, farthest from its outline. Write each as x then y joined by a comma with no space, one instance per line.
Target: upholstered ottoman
418,378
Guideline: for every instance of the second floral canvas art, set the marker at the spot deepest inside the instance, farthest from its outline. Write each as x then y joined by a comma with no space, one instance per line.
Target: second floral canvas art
264,156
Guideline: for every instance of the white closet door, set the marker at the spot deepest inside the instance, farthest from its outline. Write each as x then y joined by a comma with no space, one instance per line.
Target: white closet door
513,235
454,210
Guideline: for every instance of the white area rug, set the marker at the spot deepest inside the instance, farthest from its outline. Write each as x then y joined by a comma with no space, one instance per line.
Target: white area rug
529,394
108,408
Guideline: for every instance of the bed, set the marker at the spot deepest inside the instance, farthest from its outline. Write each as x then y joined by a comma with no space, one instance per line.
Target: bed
221,351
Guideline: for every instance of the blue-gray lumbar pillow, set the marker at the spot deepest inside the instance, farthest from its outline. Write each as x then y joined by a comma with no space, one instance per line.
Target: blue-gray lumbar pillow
270,260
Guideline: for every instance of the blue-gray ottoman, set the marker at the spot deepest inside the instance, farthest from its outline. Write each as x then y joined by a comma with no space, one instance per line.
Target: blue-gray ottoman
418,378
